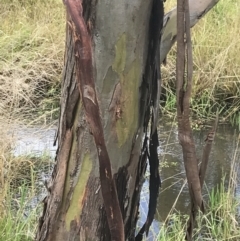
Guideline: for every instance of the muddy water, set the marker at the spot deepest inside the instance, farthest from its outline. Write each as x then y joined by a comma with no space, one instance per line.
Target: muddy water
174,186
173,173
37,141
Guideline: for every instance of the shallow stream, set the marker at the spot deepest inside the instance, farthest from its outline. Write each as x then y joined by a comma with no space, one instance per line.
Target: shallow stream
36,141
174,190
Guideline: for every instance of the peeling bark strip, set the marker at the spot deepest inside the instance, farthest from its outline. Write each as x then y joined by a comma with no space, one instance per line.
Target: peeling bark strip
184,87
84,70
202,171
53,202
183,102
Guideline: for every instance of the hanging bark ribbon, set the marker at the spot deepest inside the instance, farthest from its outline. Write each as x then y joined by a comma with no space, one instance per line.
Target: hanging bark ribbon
84,71
184,88
184,74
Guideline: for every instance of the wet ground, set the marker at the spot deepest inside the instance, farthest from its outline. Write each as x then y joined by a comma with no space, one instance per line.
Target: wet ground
174,191
224,151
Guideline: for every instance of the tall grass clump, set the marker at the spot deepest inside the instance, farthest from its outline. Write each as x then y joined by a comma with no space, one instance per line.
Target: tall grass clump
216,58
16,171
31,57
18,222
219,223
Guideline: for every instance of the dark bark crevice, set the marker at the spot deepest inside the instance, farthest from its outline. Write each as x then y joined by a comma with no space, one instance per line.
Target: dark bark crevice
151,88
140,170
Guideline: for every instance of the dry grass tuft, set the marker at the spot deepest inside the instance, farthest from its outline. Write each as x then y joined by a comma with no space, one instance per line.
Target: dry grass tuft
31,57
216,51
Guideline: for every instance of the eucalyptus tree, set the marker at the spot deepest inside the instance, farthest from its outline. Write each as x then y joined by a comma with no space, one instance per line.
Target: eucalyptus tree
108,121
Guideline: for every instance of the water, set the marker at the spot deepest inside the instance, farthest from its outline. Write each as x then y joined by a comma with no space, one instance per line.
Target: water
36,141
174,190
173,173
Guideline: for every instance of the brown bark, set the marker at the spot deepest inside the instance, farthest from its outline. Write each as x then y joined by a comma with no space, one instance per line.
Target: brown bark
112,60
184,88
86,83
110,87
184,73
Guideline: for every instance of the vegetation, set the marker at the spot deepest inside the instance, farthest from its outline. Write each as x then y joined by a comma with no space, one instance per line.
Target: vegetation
21,191
32,35
219,223
216,65
31,58
18,223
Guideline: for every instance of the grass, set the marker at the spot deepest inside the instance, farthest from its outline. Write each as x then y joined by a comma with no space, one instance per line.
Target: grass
216,65
221,219
25,171
18,222
219,223
32,35
21,193
31,58
21,190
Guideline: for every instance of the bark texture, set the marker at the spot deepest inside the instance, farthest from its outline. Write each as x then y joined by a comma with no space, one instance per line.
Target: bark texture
110,92
184,88
111,68
86,83
184,72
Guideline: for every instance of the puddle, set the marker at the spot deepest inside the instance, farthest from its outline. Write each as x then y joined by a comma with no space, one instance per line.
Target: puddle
36,141
173,173
174,186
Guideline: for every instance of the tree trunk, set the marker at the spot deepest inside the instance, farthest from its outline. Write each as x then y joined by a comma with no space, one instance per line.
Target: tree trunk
120,35
111,71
